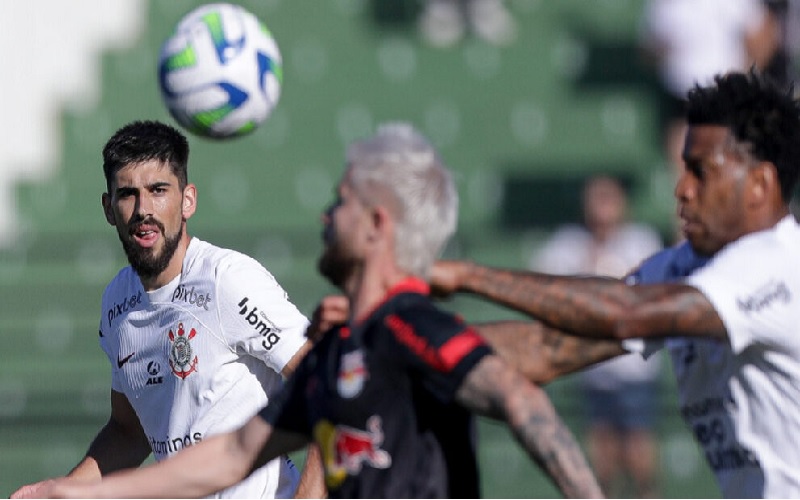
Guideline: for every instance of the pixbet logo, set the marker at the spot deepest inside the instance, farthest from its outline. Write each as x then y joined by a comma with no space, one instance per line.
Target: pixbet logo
260,323
188,295
126,305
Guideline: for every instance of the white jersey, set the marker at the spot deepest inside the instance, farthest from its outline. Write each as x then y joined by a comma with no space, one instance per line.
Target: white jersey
203,354
741,398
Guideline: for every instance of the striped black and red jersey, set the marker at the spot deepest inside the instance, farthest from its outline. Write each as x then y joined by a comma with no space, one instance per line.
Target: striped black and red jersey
378,397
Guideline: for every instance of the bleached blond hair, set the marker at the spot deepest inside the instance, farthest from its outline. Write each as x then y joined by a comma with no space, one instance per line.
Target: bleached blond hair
398,168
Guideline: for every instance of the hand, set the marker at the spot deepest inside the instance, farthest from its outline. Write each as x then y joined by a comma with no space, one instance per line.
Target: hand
447,276
62,487
332,310
33,490
67,487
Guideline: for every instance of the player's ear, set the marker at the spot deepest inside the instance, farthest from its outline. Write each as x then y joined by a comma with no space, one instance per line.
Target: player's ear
105,200
763,183
189,201
381,220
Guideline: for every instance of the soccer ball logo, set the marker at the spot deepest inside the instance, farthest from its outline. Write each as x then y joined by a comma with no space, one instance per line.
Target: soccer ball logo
220,72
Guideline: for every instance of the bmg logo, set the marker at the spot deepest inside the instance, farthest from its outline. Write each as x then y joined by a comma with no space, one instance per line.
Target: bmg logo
260,323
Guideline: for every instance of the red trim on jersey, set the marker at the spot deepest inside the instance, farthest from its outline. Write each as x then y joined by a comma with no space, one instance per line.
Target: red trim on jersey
344,332
455,349
407,285
444,358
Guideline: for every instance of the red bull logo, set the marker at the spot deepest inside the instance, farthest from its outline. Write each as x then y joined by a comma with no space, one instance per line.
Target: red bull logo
352,374
346,450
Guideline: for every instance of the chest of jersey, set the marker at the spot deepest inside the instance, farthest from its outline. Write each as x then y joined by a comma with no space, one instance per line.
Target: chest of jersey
166,345
370,414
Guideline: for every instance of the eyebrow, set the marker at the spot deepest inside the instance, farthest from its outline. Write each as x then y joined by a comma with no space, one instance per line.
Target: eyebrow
149,187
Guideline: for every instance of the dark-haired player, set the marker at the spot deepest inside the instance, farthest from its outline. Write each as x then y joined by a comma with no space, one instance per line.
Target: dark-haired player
726,302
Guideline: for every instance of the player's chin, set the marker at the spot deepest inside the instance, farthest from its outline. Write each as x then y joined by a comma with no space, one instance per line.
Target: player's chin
333,269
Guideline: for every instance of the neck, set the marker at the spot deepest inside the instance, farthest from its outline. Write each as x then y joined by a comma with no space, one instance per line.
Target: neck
368,287
766,220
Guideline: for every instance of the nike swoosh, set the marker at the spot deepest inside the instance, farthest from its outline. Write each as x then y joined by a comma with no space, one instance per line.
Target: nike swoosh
124,360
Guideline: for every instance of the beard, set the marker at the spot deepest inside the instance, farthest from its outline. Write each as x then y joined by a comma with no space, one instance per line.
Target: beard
145,261
335,266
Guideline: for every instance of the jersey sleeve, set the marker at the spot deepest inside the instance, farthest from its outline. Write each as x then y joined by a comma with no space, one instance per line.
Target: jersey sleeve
644,347
256,315
112,357
750,295
109,343
437,346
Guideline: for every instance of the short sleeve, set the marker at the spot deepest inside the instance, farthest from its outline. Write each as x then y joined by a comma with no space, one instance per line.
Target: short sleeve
752,304
256,315
115,381
645,347
437,346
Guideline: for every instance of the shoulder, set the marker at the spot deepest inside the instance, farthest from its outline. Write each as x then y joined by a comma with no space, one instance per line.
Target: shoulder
125,280
668,264
781,239
217,261
415,316
759,254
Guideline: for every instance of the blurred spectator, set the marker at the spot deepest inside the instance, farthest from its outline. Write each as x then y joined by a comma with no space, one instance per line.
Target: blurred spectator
620,395
689,41
777,66
444,23
791,38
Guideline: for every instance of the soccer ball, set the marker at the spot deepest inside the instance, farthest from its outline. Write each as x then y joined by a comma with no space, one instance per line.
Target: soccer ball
220,72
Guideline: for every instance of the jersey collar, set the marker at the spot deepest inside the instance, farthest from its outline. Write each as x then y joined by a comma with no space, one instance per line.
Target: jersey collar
408,285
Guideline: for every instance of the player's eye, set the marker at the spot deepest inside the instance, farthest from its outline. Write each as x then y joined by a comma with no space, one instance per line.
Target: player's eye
696,169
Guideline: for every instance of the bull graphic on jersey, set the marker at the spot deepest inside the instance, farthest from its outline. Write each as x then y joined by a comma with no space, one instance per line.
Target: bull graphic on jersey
345,450
180,352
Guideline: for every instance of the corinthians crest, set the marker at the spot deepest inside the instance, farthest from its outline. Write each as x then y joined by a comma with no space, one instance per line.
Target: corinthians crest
181,357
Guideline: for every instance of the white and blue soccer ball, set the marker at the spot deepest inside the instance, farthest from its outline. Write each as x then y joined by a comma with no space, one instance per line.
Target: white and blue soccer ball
220,72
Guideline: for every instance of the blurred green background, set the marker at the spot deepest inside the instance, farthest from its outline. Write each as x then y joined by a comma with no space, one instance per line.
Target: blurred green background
519,125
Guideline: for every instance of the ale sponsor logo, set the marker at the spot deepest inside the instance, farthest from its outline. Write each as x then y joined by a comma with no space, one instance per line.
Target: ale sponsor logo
154,370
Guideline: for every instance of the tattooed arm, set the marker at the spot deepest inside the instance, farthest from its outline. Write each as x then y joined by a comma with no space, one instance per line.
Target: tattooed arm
587,306
494,389
542,353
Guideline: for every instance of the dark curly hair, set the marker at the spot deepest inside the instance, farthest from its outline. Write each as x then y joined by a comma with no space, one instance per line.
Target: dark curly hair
142,141
759,113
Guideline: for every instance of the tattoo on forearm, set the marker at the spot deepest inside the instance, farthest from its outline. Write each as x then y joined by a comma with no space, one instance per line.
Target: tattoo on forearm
594,306
557,452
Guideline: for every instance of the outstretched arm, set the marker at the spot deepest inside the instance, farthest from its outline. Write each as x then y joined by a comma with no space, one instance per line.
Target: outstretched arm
542,353
200,470
121,443
587,306
494,389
